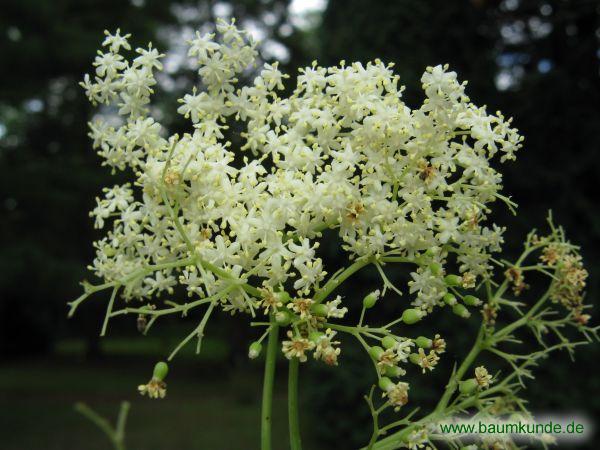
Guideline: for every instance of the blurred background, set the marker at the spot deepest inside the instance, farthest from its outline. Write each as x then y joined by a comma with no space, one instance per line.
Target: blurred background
535,60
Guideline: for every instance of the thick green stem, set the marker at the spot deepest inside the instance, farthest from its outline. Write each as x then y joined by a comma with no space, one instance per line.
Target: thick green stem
267,397
294,423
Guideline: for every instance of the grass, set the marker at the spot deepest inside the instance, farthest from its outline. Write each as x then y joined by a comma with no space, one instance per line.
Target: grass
209,405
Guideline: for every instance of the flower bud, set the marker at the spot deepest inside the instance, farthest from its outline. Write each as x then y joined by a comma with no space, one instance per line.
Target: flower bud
460,310
471,300
109,250
435,269
319,309
394,371
389,342
430,252
314,336
449,299
283,318
414,358
411,316
423,342
453,280
385,384
283,297
376,352
370,300
254,350
467,387
161,369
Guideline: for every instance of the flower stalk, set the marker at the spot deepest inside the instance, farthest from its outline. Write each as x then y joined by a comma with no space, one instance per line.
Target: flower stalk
293,410
268,381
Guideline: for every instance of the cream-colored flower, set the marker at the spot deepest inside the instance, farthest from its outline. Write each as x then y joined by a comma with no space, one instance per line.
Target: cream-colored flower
483,378
154,388
296,347
397,394
326,349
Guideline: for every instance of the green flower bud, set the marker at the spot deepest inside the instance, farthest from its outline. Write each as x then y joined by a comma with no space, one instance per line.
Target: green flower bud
389,342
254,350
411,316
449,299
430,252
161,369
414,358
468,387
283,297
385,384
319,310
314,336
423,342
376,352
283,318
109,250
436,269
460,310
370,300
453,280
394,371
471,300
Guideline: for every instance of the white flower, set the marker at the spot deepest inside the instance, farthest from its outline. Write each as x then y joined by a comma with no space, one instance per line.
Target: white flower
333,309
115,41
202,46
342,153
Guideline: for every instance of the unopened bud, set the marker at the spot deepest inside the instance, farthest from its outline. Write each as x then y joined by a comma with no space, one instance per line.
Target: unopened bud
453,280
467,387
394,371
460,310
411,316
283,297
423,342
315,336
370,300
376,352
319,310
414,358
471,300
254,350
385,384
389,342
449,299
283,318
435,269
161,369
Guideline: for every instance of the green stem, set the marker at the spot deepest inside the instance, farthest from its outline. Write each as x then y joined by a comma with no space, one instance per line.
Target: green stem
523,320
294,423
115,435
267,397
334,282
457,377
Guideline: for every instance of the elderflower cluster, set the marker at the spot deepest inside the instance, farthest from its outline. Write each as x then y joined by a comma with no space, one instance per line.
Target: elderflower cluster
232,213
342,152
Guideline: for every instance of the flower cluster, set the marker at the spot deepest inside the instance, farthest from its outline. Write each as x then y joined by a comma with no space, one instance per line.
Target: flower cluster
232,212
342,152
